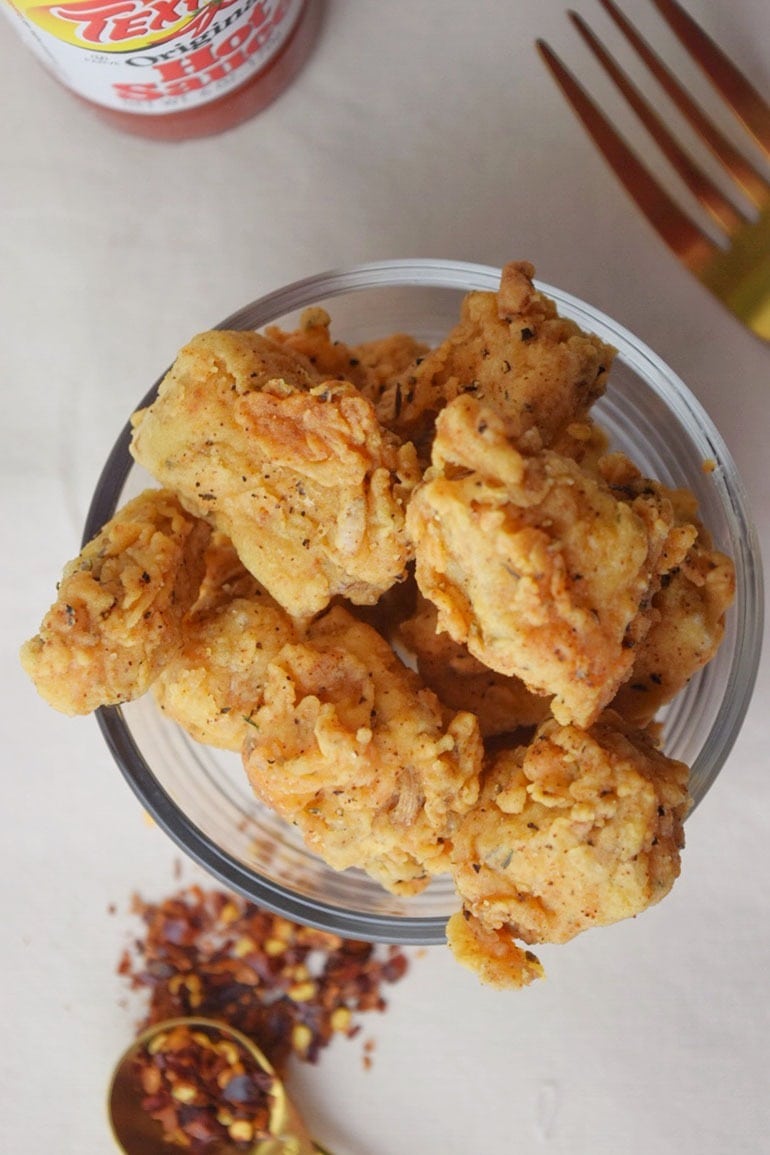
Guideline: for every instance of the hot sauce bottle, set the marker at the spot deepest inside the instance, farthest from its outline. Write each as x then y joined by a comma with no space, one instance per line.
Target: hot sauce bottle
171,69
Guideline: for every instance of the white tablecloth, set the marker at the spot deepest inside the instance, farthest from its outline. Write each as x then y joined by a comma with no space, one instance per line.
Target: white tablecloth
416,130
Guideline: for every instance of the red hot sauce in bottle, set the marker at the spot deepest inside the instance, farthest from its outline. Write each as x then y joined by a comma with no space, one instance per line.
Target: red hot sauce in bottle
171,69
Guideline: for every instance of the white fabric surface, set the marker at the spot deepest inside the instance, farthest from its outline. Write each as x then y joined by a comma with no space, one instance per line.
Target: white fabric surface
425,129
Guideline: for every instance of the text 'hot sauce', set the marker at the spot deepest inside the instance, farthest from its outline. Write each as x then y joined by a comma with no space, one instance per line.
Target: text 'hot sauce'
171,69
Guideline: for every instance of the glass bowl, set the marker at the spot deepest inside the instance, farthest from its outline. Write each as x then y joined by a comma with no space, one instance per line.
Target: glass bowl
200,796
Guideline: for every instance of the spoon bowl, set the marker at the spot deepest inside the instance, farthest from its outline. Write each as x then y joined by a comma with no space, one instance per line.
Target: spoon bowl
137,1133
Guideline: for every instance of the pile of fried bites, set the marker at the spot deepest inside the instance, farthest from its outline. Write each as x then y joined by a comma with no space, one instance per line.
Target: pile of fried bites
432,611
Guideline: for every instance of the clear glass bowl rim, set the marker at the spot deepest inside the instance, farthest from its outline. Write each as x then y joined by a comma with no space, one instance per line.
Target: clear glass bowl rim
461,276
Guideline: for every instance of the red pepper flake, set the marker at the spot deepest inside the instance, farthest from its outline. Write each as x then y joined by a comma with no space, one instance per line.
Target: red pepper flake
368,1053
287,987
203,1090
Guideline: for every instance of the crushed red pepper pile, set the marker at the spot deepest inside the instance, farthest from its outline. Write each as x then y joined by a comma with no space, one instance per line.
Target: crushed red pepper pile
289,988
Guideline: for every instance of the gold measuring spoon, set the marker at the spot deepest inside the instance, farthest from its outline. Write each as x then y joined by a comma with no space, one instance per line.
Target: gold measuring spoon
137,1133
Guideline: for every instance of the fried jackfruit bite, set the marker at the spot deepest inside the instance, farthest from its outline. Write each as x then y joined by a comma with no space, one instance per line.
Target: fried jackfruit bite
298,473
216,680
369,366
685,635
688,621
225,576
511,350
540,569
118,616
354,751
461,682
581,828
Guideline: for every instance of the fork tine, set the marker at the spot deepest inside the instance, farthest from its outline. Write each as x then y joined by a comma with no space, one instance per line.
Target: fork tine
743,98
688,242
755,186
712,199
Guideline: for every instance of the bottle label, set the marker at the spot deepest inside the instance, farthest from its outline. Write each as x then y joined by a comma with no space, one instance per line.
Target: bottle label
155,56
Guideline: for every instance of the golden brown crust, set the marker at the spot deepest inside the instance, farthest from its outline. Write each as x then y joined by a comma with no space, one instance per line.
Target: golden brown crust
510,349
118,616
686,633
359,756
299,475
215,683
581,828
369,366
312,339
225,576
688,610
461,682
540,569
386,358
492,954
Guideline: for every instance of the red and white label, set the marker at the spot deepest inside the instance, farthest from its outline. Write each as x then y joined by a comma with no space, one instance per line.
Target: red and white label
155,56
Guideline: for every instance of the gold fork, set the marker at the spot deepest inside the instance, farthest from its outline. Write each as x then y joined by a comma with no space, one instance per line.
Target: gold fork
736,267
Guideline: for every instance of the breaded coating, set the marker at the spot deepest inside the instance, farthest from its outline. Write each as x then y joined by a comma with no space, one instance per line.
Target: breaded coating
118,616
685,635
216,681
331,359
583,441
579,829
493,954
688,611
511,350
536,566
462,682
352,749
386,358
299,475
225,576
368,366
